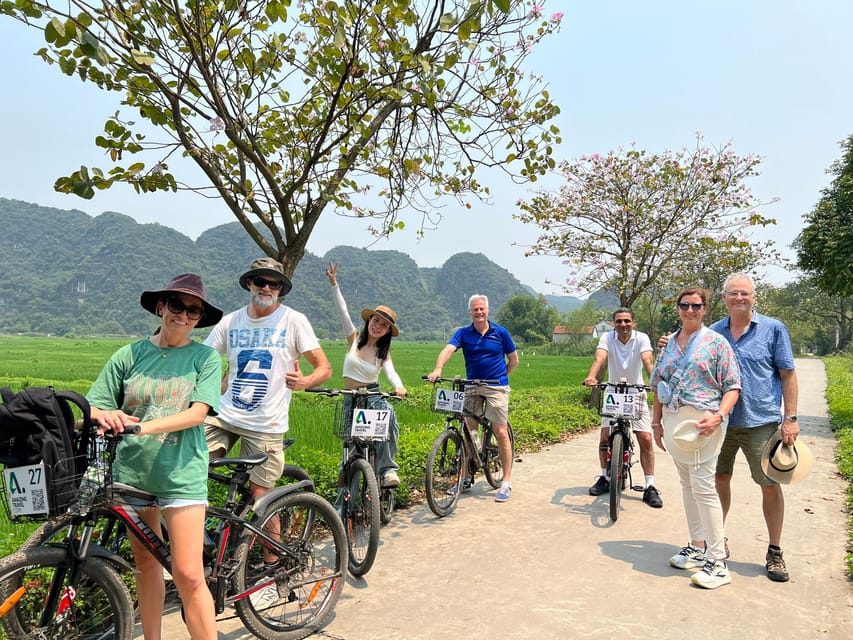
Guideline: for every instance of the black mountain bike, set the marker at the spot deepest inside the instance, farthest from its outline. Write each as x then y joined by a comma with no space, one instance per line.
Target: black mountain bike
72,588
455,457
621,403
365,505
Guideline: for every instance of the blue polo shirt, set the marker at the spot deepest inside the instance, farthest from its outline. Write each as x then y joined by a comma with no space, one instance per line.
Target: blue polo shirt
485,355
762,351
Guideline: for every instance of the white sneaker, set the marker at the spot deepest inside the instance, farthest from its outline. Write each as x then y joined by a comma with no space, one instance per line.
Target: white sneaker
390,479
688,558
714,574
504,492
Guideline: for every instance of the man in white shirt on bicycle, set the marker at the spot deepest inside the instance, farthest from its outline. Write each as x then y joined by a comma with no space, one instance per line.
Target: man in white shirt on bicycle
627,352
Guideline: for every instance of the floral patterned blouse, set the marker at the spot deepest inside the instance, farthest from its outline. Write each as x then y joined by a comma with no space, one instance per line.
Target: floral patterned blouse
711,371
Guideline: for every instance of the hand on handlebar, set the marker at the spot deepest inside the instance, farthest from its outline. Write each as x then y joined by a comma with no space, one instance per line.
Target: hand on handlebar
116,421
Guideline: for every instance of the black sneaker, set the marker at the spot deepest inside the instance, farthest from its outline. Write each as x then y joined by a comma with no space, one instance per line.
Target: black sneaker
602,485
651,496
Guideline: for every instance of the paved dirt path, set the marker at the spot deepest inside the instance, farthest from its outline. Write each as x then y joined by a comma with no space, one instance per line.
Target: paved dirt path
550,564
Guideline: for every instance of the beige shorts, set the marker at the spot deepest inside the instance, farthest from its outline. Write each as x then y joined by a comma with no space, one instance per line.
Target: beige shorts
223,435
494,399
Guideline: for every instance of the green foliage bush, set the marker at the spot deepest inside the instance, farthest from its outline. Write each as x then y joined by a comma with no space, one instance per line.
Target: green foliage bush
839,371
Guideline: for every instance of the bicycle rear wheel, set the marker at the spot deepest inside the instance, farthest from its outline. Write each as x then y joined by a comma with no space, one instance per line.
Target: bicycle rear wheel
617,473
292,597
292,473
361,515
444,472
493,466
98,607
386,505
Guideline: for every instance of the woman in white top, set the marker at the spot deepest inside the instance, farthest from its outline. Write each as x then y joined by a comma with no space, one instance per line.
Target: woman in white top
369,351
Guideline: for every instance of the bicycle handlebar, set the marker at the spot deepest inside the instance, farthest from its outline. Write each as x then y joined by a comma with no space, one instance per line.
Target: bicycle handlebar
460,380
618,385
361,391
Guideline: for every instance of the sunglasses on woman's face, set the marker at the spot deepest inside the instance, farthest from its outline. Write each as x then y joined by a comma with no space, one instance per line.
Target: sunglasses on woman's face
695,306
178,307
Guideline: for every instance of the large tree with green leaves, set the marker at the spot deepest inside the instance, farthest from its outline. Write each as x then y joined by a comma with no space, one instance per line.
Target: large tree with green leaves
370,107
632,222
825,245
529,319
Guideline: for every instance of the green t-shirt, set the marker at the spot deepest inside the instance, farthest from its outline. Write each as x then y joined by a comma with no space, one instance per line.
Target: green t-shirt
148,382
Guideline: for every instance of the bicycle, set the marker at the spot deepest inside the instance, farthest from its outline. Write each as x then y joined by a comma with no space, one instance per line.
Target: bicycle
621,403
454,455
72,588
365,504
113,535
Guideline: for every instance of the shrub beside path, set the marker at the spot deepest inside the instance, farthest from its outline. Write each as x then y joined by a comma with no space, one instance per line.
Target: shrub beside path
550,564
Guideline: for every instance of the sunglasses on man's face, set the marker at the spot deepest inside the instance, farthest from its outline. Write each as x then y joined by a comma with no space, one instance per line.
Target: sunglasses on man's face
695,306
622,321
260,283
178,307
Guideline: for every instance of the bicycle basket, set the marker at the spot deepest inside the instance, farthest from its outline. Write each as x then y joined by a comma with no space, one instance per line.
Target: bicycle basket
354,420
48,488
448,400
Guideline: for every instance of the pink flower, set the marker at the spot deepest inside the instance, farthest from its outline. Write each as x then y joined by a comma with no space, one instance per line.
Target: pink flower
381,44
537,11
556,17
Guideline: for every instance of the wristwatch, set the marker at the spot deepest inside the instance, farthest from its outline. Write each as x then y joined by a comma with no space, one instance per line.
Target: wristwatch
791,418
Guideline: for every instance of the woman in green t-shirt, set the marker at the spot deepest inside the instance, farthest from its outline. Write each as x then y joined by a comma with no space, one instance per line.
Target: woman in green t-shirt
167,384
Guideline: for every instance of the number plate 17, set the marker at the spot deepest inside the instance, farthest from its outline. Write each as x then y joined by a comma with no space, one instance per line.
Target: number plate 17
370,423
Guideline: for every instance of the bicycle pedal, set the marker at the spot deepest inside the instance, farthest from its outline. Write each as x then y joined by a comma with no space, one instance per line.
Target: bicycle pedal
637,487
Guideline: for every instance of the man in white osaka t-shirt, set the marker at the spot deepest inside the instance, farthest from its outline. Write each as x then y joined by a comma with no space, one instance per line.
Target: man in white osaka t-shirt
263,342
626,352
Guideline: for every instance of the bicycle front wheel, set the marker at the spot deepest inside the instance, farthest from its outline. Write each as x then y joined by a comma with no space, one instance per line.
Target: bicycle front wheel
493,466
444,472
99,606
617,473
361,515
287,594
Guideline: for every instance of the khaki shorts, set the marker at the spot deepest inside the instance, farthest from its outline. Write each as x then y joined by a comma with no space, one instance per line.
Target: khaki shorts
494,399
222,435
751,441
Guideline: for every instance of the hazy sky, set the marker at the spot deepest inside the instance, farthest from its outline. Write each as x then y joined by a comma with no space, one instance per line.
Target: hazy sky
768,76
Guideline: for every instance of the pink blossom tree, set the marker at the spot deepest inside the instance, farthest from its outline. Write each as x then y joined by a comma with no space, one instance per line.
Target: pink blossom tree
637,223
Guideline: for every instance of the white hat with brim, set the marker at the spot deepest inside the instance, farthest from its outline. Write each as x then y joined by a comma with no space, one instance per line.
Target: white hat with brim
684,442
785,464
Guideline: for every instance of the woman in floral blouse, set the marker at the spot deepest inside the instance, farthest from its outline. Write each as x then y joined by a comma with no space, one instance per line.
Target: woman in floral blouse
697,384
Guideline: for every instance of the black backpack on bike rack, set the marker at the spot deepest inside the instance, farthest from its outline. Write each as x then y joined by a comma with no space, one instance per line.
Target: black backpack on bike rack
37,424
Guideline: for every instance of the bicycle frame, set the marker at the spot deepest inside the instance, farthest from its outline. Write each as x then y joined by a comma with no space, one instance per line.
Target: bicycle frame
620,407
231,523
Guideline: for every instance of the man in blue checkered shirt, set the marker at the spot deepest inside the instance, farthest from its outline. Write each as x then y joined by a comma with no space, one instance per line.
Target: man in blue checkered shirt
766,360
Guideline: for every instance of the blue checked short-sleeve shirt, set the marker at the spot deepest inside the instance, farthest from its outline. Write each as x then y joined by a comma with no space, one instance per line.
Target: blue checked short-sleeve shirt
762,351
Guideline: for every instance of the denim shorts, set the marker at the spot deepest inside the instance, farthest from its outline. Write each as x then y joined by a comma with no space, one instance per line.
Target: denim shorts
162,503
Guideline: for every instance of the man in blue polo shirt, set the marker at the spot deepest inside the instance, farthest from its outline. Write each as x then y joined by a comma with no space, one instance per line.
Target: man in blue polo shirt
766,360
489,354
